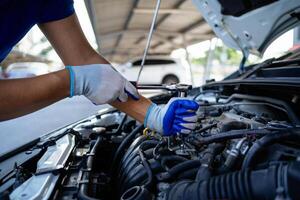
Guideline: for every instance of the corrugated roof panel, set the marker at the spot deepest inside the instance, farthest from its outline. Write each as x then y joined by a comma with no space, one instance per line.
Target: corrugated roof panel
121,26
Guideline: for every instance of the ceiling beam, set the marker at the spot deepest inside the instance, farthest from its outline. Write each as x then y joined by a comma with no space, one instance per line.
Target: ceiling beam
164,11
126,53
127,22
136,31
161,33
162,19
185,30
161,36
193,25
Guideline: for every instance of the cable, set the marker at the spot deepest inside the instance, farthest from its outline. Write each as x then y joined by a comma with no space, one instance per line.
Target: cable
86,173
147,167
267,141
149,39
124,144
228,135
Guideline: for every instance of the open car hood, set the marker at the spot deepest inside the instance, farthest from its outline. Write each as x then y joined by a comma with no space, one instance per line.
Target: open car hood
250,25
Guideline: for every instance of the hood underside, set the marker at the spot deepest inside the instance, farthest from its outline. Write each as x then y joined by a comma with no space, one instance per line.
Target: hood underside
250,25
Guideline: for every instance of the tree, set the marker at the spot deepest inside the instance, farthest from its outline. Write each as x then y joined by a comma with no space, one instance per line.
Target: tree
222,54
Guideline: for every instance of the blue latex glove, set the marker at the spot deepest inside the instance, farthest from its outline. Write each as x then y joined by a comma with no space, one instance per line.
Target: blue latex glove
176,117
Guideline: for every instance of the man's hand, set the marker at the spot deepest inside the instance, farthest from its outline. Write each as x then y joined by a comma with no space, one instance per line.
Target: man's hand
100,83
176,117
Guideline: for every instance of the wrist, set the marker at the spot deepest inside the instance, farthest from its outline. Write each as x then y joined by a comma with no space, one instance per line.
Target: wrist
71,80
153,119
62,82
148,113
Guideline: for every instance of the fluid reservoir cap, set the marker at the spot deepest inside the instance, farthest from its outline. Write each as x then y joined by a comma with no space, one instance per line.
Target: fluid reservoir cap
99,130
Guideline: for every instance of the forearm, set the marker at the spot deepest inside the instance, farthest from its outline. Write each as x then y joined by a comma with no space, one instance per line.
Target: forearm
135,109
68,40
22,96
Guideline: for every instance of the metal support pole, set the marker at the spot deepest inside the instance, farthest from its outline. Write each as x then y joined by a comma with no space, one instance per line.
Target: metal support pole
210,58
149,38
297,36
187,58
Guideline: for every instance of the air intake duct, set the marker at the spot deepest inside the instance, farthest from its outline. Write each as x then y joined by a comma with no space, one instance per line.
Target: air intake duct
280,181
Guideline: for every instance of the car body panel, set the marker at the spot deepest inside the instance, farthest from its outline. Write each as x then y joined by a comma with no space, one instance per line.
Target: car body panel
26,69
253,31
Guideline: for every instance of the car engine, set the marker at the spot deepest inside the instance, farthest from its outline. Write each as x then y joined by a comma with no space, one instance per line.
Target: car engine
244,147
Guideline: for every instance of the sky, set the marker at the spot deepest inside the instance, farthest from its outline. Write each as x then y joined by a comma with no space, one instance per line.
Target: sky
197,50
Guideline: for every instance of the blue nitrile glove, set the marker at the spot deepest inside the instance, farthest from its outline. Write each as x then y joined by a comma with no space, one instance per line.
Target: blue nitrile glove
100,83
176,117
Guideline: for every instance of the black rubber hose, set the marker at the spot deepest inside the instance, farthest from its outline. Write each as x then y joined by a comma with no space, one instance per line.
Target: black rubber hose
83,185
171,159
189,174
125,143
139,175
132,148
127,160
146,165
137,193
203,173
179,168
157,148
234,134
278,181
266,141
209,154
133,159
234,125
207,128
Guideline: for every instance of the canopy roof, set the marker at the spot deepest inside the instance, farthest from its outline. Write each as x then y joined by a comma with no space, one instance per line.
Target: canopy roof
121,26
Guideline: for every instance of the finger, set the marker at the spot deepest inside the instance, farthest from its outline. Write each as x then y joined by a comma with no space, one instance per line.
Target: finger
190,118
184,111
189,105
131,91
185,131
180,119
190,126
181,129
123,97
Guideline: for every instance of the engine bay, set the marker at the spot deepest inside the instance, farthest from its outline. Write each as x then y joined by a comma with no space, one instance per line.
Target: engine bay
244,147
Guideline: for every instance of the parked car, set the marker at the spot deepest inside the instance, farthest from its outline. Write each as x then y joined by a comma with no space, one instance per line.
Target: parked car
246,146
2,75
26,69
157,70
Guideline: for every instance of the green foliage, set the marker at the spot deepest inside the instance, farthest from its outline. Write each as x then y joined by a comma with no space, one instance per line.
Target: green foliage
44,52
199,61
222,54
